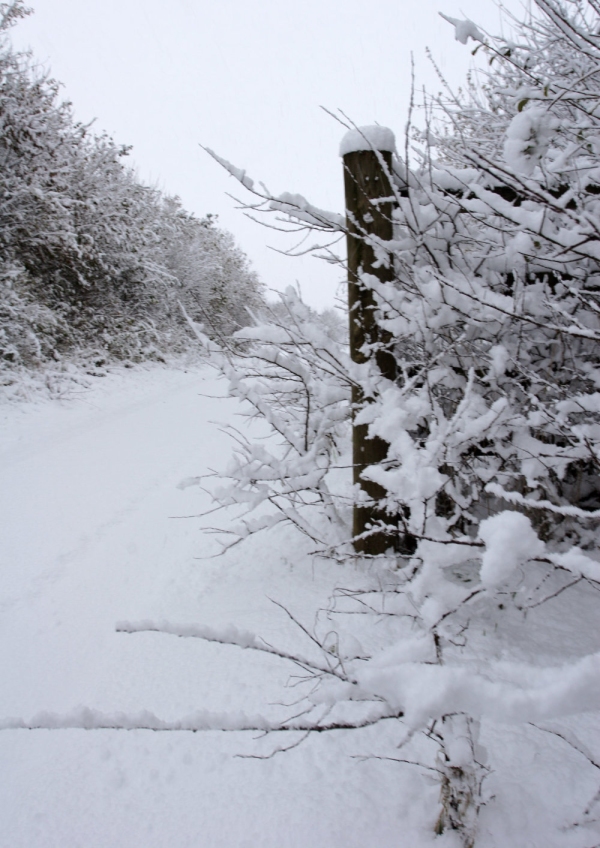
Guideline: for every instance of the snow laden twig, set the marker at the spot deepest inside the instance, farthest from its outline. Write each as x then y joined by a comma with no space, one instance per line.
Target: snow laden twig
229,636
84,718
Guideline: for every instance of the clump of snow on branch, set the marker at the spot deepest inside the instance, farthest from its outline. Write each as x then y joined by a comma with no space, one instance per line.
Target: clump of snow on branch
464,29
528,138
510,540
299,208
238,173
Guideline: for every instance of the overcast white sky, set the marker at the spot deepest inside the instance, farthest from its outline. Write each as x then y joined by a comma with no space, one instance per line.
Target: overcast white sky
247,78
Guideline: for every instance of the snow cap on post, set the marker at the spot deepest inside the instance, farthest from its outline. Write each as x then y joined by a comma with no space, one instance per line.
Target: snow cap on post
368,138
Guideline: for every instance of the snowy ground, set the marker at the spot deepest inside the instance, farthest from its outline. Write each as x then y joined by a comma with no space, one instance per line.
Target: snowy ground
92,533
88,491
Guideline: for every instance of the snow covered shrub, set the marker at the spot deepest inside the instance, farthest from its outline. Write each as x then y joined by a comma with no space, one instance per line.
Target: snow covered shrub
105,260
511,299
493,464
494,308
293,371
28,330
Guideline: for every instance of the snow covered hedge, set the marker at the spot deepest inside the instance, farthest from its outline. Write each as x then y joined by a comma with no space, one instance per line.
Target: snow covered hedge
92,260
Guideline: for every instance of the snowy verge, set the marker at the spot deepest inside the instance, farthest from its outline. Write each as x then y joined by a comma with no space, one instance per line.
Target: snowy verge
69,378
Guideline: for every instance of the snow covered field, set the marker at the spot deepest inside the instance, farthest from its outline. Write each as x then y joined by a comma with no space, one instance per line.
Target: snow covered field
88,491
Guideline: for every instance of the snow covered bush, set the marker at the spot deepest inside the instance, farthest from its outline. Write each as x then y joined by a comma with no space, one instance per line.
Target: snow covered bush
493,464
91,259
292,369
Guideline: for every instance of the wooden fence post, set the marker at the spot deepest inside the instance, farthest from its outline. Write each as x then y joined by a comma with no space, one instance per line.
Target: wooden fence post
367,158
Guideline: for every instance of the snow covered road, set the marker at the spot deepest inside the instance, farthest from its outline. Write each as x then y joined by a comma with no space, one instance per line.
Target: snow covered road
85,522
88,491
